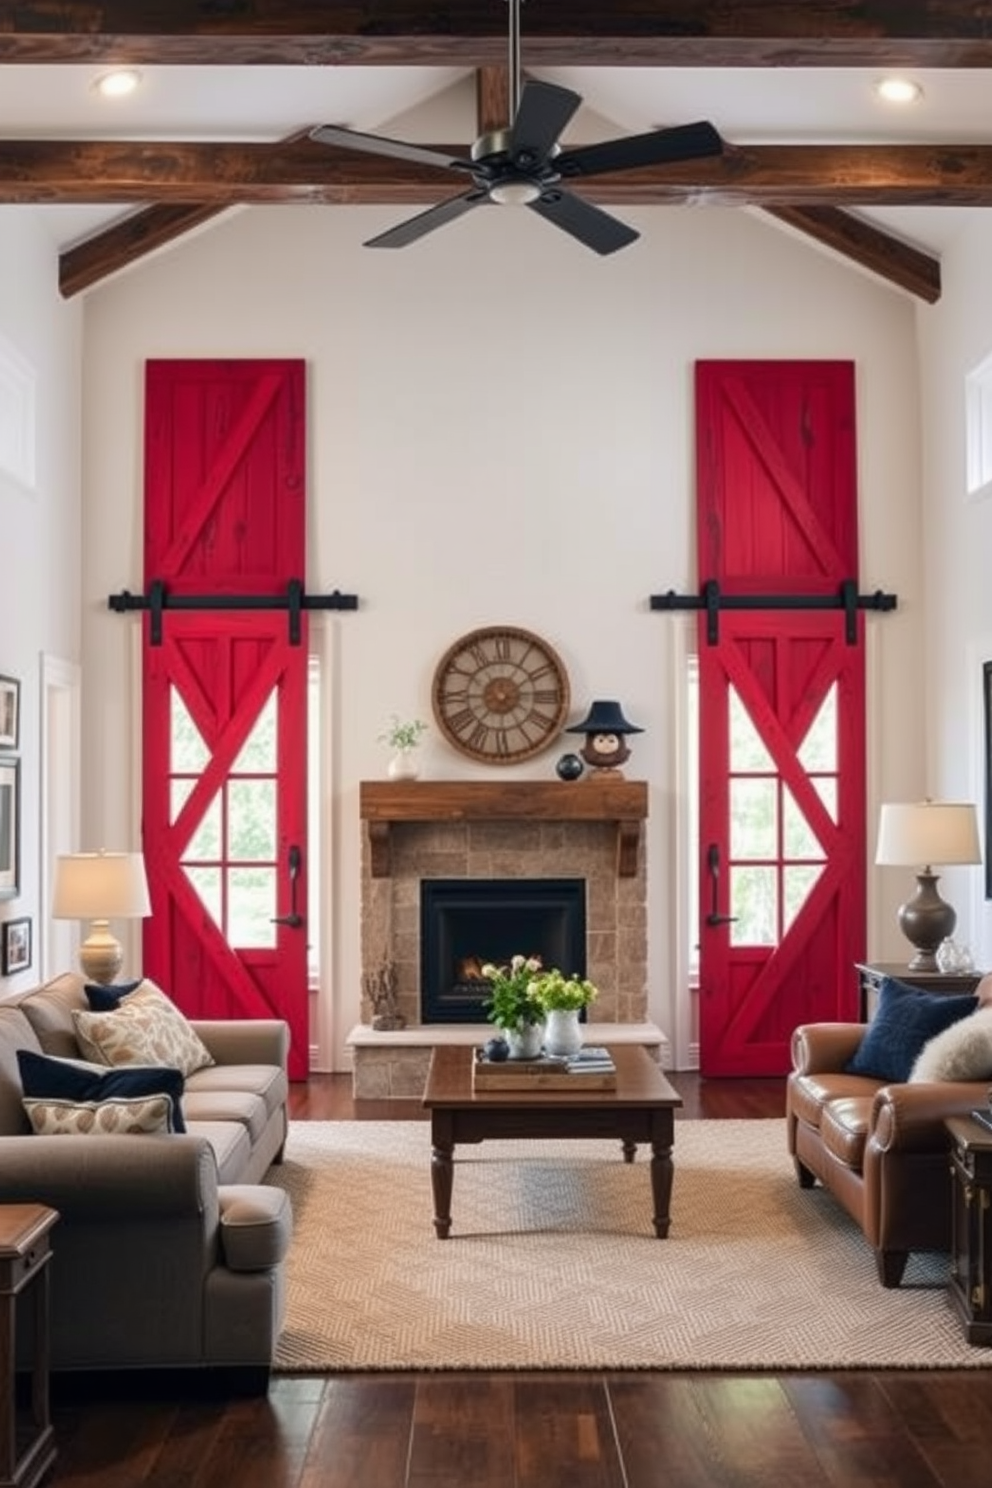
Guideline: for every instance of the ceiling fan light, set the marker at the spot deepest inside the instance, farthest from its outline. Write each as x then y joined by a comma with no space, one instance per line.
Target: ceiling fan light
514,193
119,83
898,90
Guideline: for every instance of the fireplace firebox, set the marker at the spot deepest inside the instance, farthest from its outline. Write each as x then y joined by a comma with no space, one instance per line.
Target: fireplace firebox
465,923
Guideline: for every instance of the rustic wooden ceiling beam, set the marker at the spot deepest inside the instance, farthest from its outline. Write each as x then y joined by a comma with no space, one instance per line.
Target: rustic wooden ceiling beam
105,171
116,247
646,33
867,245
145,231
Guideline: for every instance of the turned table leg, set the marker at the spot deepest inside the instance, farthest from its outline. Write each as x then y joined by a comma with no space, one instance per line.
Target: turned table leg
442,1176
662,1170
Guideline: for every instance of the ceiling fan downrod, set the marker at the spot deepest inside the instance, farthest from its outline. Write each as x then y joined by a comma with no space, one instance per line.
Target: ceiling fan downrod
515,187
514,58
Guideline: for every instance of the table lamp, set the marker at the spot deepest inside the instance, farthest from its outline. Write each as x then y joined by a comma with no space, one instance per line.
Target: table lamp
100,887
919,835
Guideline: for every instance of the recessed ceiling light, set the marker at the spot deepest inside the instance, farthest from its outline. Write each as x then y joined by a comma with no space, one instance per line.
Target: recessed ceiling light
898,90
118,84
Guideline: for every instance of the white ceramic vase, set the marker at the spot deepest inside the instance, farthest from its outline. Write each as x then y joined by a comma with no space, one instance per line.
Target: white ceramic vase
404,765
563,1034
525,1041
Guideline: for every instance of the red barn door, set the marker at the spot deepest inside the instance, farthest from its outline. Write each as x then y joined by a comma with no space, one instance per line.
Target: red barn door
224,694
782,711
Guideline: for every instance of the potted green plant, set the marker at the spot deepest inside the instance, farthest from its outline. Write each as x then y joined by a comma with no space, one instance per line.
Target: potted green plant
562,999
403,739
511,1007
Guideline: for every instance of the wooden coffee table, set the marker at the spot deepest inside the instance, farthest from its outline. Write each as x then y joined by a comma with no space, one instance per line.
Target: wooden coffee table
641,1109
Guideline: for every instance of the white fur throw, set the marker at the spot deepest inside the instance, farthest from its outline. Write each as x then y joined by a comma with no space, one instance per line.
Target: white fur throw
961,1052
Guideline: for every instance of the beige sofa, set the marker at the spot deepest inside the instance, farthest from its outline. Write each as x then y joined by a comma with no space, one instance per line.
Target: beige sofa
169,1249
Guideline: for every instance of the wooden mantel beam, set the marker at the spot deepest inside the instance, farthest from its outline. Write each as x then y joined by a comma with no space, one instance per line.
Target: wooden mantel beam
604,797
398,33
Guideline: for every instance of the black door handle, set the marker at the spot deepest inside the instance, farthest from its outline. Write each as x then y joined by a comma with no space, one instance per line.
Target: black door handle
713,864
293,920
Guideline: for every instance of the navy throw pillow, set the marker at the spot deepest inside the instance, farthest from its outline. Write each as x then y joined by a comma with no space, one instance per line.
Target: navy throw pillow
107,998
905,1019
47,1078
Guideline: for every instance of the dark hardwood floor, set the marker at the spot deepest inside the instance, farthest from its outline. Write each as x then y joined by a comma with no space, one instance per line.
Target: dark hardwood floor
891,1430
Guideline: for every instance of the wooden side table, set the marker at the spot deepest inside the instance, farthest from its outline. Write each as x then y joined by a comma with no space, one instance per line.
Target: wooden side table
970,1282
27,1440
870,974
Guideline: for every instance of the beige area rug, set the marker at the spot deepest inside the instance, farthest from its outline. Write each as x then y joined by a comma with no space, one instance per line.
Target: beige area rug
553,1264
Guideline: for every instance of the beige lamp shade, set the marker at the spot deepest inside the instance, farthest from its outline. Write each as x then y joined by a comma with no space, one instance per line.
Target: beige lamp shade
100,887
927,833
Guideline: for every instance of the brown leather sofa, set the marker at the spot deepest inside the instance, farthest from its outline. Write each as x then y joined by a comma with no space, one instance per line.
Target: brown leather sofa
880,1148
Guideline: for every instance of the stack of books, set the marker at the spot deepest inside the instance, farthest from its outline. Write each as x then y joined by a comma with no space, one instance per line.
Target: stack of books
591,1059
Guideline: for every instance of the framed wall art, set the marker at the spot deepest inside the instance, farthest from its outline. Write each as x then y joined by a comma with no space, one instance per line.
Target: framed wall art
10,712
15,946
10,827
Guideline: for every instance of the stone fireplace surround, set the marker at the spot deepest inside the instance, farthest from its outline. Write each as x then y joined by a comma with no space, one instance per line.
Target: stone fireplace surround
413,830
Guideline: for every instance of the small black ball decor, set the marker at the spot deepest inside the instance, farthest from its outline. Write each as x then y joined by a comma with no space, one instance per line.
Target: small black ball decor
569,767
496,1050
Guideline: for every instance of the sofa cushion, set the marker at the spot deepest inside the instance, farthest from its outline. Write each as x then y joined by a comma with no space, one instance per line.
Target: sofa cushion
15,1033
268,1081
844,1129
231,1146
228,1105
961,1052
62,1079
905,1019
809,1094
144,1114
146,1028
49,1010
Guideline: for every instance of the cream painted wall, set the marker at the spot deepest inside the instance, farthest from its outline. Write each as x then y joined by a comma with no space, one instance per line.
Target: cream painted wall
500,429
955,337
40,336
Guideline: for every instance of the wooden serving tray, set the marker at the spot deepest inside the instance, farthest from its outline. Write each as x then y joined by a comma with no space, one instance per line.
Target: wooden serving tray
537,1074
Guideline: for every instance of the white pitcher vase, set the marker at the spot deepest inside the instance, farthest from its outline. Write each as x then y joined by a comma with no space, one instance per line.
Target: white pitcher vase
525,1040
404,765
563,1034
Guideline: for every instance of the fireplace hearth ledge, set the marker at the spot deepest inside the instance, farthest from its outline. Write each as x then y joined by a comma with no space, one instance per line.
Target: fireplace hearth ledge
391,1065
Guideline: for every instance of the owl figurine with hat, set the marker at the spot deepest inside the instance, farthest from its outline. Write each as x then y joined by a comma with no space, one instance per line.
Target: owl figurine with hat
605,728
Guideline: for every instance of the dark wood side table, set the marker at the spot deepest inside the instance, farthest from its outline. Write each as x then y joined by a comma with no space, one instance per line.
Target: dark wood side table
27,1439
970,1282
870,974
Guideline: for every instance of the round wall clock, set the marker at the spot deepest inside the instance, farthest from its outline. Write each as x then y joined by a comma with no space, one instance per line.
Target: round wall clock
500,694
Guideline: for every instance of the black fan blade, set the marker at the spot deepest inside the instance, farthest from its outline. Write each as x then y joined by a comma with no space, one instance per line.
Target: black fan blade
592,226
659,147
543,112
425,222
377,144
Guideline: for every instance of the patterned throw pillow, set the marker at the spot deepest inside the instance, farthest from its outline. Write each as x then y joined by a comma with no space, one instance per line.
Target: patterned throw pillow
65,1118
46,1077
145,1029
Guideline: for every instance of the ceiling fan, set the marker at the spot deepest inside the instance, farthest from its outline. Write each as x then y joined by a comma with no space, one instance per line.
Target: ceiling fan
524,165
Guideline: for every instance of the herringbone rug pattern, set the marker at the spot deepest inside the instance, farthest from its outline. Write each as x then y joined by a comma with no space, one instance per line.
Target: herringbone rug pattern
553,1264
